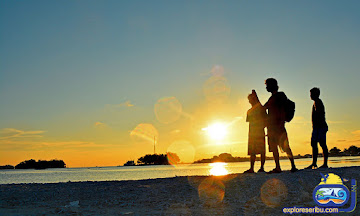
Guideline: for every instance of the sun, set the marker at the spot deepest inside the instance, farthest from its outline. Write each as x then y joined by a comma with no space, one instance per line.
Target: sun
216,131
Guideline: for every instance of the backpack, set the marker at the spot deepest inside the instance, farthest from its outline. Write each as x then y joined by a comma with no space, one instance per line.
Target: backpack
289,110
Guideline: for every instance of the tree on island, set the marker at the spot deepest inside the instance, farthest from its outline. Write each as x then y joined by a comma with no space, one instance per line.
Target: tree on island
7,167
352,150
41,164
159,159
334,151
223,157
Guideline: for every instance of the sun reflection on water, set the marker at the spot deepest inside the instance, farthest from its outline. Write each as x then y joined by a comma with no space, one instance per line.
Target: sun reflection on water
218,169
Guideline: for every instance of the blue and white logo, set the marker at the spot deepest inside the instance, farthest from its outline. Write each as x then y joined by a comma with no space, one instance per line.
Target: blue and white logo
331,192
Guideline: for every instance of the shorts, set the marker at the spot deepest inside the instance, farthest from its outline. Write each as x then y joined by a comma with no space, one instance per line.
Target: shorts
318,135
256,144
277,136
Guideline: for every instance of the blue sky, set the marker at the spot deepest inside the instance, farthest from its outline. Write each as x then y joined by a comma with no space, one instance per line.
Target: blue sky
63,62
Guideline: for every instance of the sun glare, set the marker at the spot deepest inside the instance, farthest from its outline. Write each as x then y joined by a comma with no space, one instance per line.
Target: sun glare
218,169
216,131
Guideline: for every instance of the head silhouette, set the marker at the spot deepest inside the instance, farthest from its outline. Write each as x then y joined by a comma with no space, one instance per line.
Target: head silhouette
271,85
314,93
252,99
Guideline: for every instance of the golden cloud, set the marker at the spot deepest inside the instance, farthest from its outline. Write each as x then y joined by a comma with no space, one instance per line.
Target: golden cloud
8,133
124,104
356,133
114,107
16,145
99,124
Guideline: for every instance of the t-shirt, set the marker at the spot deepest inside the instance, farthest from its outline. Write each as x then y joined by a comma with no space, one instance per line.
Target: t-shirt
276,109
318,114
256,116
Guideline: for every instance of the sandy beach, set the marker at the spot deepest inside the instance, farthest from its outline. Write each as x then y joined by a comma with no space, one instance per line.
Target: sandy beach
236,194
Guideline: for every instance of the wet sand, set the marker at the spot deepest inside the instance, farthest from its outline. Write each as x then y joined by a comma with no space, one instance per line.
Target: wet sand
236,194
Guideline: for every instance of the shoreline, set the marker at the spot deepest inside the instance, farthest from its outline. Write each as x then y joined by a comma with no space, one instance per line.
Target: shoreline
244,159
233,194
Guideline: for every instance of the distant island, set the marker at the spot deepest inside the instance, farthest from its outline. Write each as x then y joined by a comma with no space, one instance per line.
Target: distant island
7,167
172,158
40,164
228,158
334,152
155,159
351,151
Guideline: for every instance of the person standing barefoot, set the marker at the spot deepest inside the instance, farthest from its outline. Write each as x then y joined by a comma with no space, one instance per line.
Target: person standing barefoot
320,128
256,143
277,135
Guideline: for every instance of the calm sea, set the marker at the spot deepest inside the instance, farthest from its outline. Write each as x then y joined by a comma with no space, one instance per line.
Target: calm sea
151,172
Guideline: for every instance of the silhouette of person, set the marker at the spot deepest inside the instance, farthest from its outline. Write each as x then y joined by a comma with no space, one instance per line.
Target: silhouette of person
320,128
256,116
277,135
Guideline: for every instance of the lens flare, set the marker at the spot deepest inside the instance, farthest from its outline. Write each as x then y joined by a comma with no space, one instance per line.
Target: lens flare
216,89
168,110
180,151
211,190
273,192
217,70
144,132
218,169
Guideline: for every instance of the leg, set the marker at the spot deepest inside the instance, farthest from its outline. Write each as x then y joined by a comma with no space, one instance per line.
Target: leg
252,161
325,153
276,158
273,142
277,163
284,144
315,152
262,160
324,146
291,158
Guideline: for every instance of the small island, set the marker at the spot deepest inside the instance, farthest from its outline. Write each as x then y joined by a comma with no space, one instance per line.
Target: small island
155,159
334,152
40,164
7,167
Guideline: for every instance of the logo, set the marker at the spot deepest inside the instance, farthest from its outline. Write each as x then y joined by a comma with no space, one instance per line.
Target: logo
331,192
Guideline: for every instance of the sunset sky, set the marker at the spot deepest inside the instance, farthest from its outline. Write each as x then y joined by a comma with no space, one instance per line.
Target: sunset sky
92,82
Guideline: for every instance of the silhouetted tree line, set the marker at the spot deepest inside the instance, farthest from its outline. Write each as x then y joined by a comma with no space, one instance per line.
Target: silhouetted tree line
351,151
7,167
226,157
159,159
40,164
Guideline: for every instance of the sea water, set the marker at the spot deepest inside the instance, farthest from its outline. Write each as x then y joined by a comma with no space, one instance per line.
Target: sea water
152,172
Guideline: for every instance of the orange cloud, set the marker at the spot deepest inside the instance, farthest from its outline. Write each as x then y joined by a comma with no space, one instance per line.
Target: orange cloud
99,125
125,104
112,107
8,133
356,133
15,145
